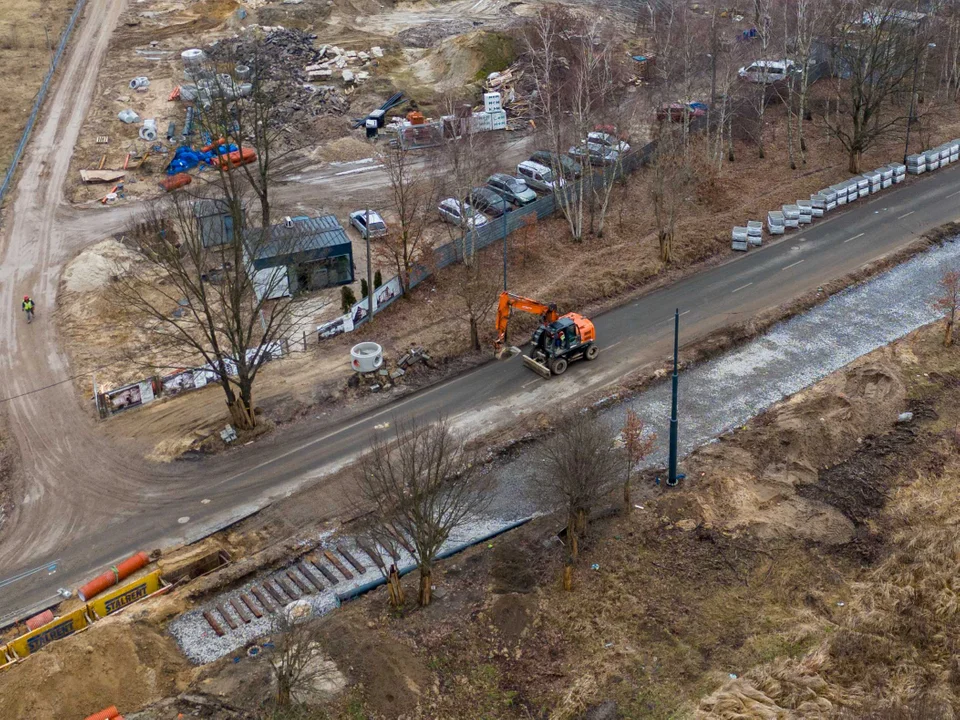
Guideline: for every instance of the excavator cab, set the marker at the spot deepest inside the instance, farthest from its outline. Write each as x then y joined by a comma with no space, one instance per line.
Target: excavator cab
556,342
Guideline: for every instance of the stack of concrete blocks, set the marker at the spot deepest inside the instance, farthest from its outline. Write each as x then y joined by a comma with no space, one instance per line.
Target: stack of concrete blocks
481,122
755,232
818,204
917,164
933,160
863,185
841,190
493,106
775,222
791,216
874,181
739,239
806,211
899,172
886,176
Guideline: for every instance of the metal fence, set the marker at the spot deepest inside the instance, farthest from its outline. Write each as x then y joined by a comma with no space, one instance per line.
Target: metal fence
38,101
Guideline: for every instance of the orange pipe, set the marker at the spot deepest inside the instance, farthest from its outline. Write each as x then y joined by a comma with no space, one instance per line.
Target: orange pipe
113,576
237,157
111,713
39,620
175,181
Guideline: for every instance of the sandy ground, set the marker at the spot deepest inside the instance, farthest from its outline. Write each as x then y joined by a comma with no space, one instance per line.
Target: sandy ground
29,34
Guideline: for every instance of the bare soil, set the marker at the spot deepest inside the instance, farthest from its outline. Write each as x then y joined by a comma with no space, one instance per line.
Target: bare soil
29,33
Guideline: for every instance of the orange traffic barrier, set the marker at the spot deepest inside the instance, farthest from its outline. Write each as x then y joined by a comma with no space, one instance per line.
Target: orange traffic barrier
111,713
175,181
41,619
237,157
112,576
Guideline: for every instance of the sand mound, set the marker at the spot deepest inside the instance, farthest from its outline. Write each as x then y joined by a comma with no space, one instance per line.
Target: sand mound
346,149
94,267
120,661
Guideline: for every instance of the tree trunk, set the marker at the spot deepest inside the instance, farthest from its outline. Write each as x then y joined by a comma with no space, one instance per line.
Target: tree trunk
573,538
425,595
283,691
626,495
396,589
948,334
855,159
474,333
568,577
666,245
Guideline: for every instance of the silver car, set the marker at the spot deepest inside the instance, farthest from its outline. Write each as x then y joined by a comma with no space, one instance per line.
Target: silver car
595,154
358,218
461,214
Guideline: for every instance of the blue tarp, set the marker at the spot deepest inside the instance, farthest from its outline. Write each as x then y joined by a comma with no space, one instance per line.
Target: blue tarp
187,158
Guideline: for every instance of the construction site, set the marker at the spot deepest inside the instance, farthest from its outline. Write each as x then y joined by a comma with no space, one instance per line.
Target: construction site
479,359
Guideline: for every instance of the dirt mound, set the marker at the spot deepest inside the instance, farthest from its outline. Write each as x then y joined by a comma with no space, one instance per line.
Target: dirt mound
752,479
120,661
346,149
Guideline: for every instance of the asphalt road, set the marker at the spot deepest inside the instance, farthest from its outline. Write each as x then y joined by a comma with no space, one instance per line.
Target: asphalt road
82,502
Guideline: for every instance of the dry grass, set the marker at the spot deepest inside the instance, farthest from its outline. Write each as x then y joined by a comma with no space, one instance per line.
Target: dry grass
29,32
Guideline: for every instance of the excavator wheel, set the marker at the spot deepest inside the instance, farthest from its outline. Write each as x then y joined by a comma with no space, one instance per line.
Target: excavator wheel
558,366
591,352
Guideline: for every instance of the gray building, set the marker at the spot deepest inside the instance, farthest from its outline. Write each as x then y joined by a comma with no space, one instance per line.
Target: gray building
215,221
298,255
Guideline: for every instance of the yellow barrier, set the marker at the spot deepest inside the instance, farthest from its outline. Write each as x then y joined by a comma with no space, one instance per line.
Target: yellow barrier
70,623
59,628
118,599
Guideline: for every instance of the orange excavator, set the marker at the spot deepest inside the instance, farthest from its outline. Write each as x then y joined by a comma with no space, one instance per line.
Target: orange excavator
558,341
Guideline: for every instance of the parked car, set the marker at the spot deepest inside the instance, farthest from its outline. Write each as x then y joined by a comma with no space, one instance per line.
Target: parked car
594,153
488,202
539,176
461,214
608,140
565,164
768,71
510,188
358,218
675,112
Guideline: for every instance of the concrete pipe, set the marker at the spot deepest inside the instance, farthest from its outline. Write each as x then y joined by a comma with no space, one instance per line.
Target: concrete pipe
366,357
112,576
242,72
193,57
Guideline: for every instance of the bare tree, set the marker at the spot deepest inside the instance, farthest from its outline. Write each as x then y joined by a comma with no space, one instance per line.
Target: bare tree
478,287
670,182
201,299
948,301
297,658
873,54
411,200
637,444
809,24
422,484
579,464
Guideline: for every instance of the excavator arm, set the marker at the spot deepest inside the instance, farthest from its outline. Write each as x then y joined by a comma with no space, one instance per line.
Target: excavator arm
509,302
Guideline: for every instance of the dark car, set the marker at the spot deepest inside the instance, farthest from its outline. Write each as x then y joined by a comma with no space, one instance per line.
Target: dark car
510,188
675,112
488,202
566,165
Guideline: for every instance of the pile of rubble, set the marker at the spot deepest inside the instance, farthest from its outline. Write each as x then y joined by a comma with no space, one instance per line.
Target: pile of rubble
383,378
345,64
283,55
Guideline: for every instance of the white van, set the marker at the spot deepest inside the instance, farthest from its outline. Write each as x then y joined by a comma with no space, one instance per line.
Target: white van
768,71
538,176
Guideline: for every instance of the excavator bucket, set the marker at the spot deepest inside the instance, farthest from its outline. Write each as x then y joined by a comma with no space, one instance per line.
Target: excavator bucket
538,368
